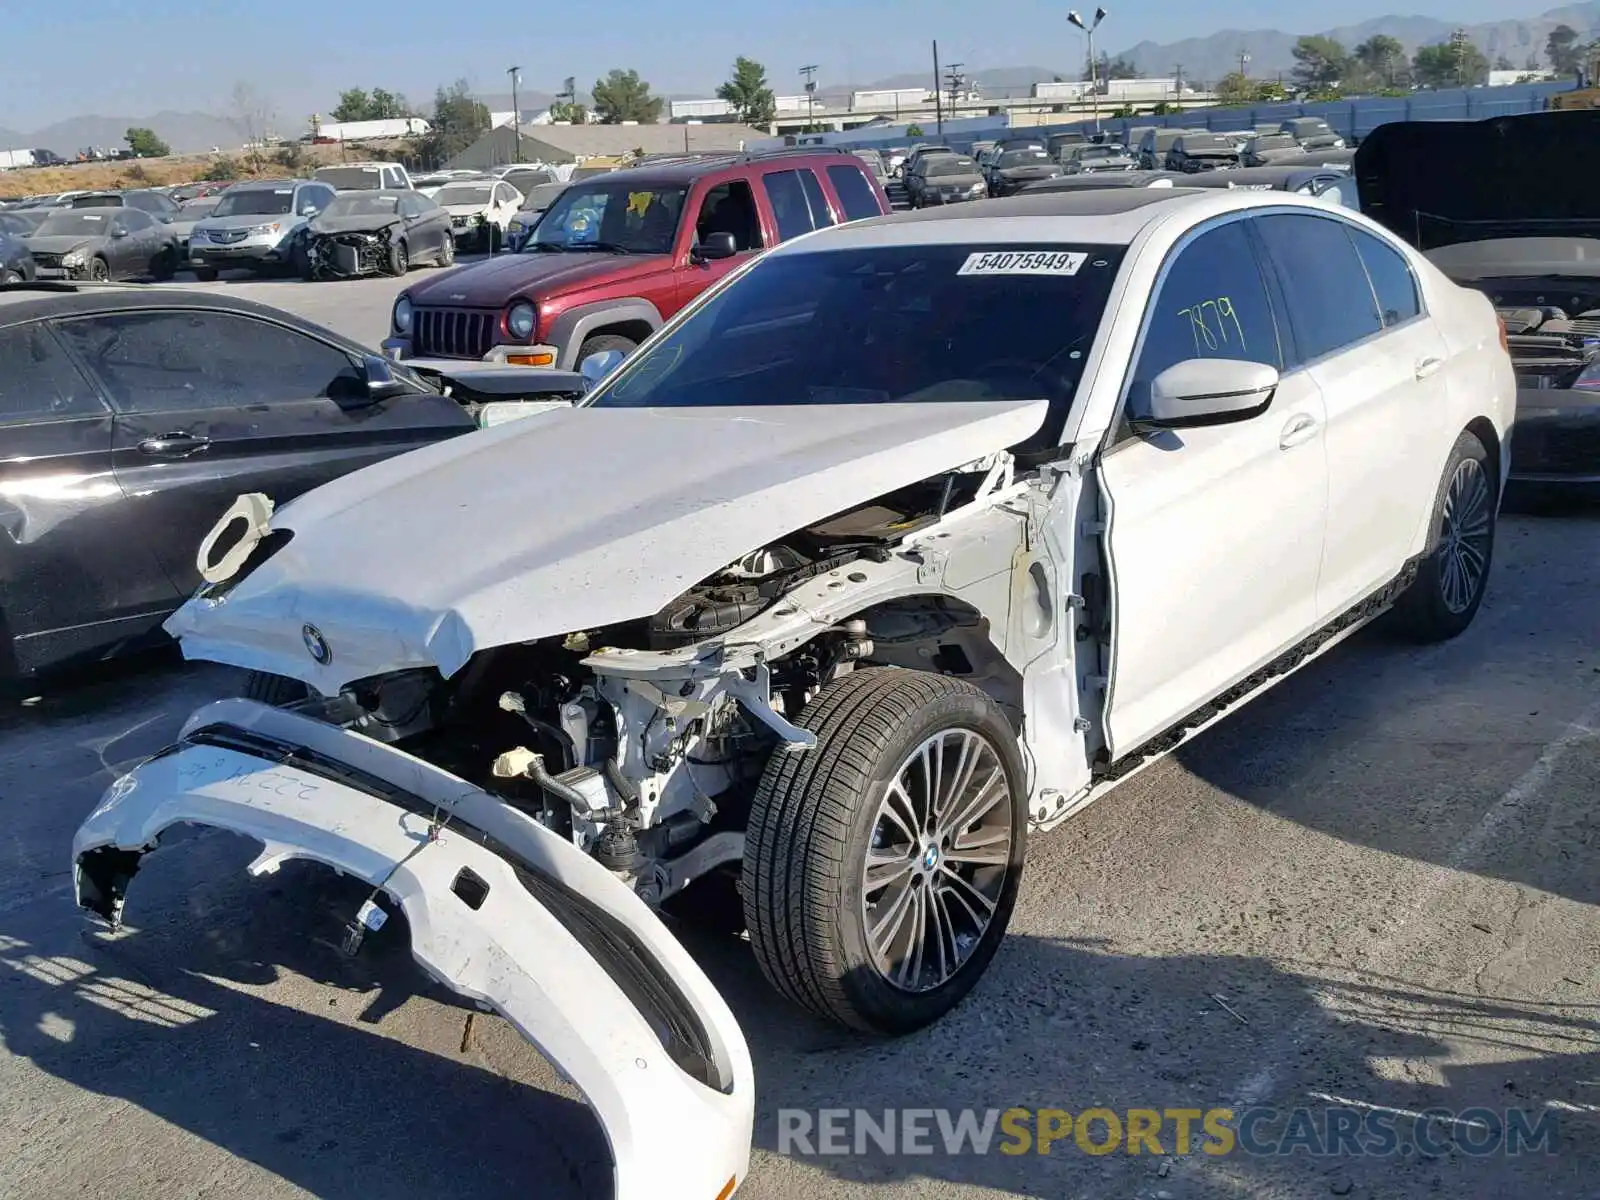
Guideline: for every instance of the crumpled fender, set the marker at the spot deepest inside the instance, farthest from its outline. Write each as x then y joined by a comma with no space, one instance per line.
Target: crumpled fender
500,910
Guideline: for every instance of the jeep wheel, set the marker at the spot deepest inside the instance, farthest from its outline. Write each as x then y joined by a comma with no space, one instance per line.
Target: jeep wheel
601,342
1443,599
881,867
275,690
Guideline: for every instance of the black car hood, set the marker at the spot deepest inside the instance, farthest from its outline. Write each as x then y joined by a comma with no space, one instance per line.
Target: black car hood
1442,183
65,243
368,223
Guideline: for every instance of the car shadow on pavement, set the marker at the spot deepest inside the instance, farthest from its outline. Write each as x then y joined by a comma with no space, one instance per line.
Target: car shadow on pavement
184,1017
1073,1026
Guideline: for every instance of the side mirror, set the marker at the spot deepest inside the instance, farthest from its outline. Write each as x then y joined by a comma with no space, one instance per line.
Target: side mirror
714,246
164,218
119,232
1208,391
382,384
309,210
597,366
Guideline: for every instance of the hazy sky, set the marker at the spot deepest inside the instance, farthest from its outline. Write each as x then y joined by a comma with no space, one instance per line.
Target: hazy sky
136,57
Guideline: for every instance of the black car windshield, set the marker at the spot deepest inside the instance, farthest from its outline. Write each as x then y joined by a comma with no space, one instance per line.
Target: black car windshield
74,222
880,325
97,200
264,202
357,205
608,215
1274,141
1191,143
1023,158
951,165
460,194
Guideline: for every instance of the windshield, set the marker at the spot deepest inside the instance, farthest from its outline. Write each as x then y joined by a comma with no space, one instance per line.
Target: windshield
255,202
351,178
97,200
951,164
1309,127
195,209
362,206
1192,144
1278,141
1023,158
883,324
542,196
23,223
460,194
72,222
620,217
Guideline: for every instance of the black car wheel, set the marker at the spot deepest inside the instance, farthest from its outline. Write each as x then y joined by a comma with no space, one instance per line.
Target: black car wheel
98,271
205,274
1453,576
447,256
601,342
399,259
165,266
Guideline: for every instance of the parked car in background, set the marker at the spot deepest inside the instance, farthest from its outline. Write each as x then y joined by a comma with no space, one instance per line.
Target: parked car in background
534,205
1341,159
874,163
365,177
1015,169
102,244
21,222
1313,133
480,211
1108,179
1156,144
1196,152
1059,145
158,204
524,178
16,262
615,256
373,233
161,408
1326,183
918,154
256,225
428,185
1264,149
946,179
1091,159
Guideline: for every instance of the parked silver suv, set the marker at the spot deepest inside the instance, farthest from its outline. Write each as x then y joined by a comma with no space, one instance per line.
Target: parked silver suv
256,225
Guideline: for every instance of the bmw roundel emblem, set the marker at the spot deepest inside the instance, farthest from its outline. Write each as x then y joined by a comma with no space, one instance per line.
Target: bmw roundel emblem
316,645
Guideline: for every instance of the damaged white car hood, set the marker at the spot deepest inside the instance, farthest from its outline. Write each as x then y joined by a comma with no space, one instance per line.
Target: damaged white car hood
571,520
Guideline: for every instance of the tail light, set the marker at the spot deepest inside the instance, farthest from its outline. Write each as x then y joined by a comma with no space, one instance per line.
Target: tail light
1505,344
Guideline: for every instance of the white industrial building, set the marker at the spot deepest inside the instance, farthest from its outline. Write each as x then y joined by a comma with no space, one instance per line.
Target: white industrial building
688,110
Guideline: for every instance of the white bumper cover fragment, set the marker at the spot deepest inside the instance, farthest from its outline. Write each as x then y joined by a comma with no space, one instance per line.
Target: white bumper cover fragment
500,910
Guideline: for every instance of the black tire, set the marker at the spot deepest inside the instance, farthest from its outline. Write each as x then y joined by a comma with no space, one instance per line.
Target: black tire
275,690
602,342
399,259
447,253
205,274
9,277
98,272
300,263
1441,602
165,267
813,820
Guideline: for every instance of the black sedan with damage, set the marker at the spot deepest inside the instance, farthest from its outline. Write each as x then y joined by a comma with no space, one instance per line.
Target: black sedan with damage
1507,206
376,233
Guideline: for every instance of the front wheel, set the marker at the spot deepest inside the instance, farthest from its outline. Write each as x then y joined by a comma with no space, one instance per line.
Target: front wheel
601,342
881,867
447,252
1448,590
399,259
99,272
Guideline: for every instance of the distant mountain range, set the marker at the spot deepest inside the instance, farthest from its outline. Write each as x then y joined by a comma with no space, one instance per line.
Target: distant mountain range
1204,59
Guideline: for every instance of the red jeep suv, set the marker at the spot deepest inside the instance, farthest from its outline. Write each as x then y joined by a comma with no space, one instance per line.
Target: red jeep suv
618,254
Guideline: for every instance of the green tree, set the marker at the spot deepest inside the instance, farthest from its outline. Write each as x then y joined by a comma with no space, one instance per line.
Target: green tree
357,104
1235,88
623,96
913,131
353,105
1112,68
570,111
458,121
1382,59
1563,50
223,169
1320,62
1456,63
748,94
145,144
1270,91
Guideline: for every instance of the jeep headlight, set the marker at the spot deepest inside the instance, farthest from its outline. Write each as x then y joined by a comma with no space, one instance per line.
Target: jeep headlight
73,258
402,315
520,320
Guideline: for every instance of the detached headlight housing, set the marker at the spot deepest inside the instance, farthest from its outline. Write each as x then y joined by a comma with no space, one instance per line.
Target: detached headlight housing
402,315
520,320
73,258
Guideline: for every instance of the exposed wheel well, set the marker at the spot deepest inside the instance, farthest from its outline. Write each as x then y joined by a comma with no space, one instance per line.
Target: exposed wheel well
1484,430
634,331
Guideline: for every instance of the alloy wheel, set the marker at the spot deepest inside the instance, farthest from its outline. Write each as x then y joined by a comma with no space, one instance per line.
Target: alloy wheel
1464,536
937,860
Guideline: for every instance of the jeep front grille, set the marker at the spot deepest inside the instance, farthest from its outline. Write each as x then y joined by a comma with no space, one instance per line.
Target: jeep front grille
454,332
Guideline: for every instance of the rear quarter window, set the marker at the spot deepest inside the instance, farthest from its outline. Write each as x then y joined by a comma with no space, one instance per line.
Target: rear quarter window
856,195
38,382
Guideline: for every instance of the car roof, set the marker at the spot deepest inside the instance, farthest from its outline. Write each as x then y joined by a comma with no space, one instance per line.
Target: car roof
43,300
687,168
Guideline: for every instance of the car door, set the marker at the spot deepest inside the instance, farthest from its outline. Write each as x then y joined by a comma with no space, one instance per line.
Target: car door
74,571
1214,534
725,207
146,239
1381,374
211,404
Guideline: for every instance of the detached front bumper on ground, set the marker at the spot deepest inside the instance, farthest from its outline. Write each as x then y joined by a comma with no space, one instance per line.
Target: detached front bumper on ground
500,910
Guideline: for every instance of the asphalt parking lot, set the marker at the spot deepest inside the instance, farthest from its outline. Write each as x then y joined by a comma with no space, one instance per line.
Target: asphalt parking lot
1375,887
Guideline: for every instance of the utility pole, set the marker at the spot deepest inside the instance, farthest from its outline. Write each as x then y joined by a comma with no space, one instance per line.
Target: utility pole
1458,48
1088,27
1244,64
1177,81
516,116
954,81
938,92
810,72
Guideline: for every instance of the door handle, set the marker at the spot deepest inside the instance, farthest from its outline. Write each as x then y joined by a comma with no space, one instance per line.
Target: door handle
1301,428
1429,366
178,444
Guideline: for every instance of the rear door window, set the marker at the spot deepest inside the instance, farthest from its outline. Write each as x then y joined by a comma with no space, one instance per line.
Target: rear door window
38,382
174,361
855,193
1330,301
791,206
1391,277
816,199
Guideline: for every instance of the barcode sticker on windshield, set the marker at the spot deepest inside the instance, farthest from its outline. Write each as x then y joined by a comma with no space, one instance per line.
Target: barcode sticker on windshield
1024,262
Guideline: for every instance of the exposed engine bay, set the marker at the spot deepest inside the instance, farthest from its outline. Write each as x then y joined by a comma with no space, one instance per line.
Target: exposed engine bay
643,743
348,254
1553,336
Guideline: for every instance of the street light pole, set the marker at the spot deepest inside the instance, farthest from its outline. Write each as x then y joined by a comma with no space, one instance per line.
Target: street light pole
516,116
1088,27
810,72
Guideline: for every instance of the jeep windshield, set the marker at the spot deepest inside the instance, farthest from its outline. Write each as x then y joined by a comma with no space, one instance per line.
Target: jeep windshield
881,325
615,216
